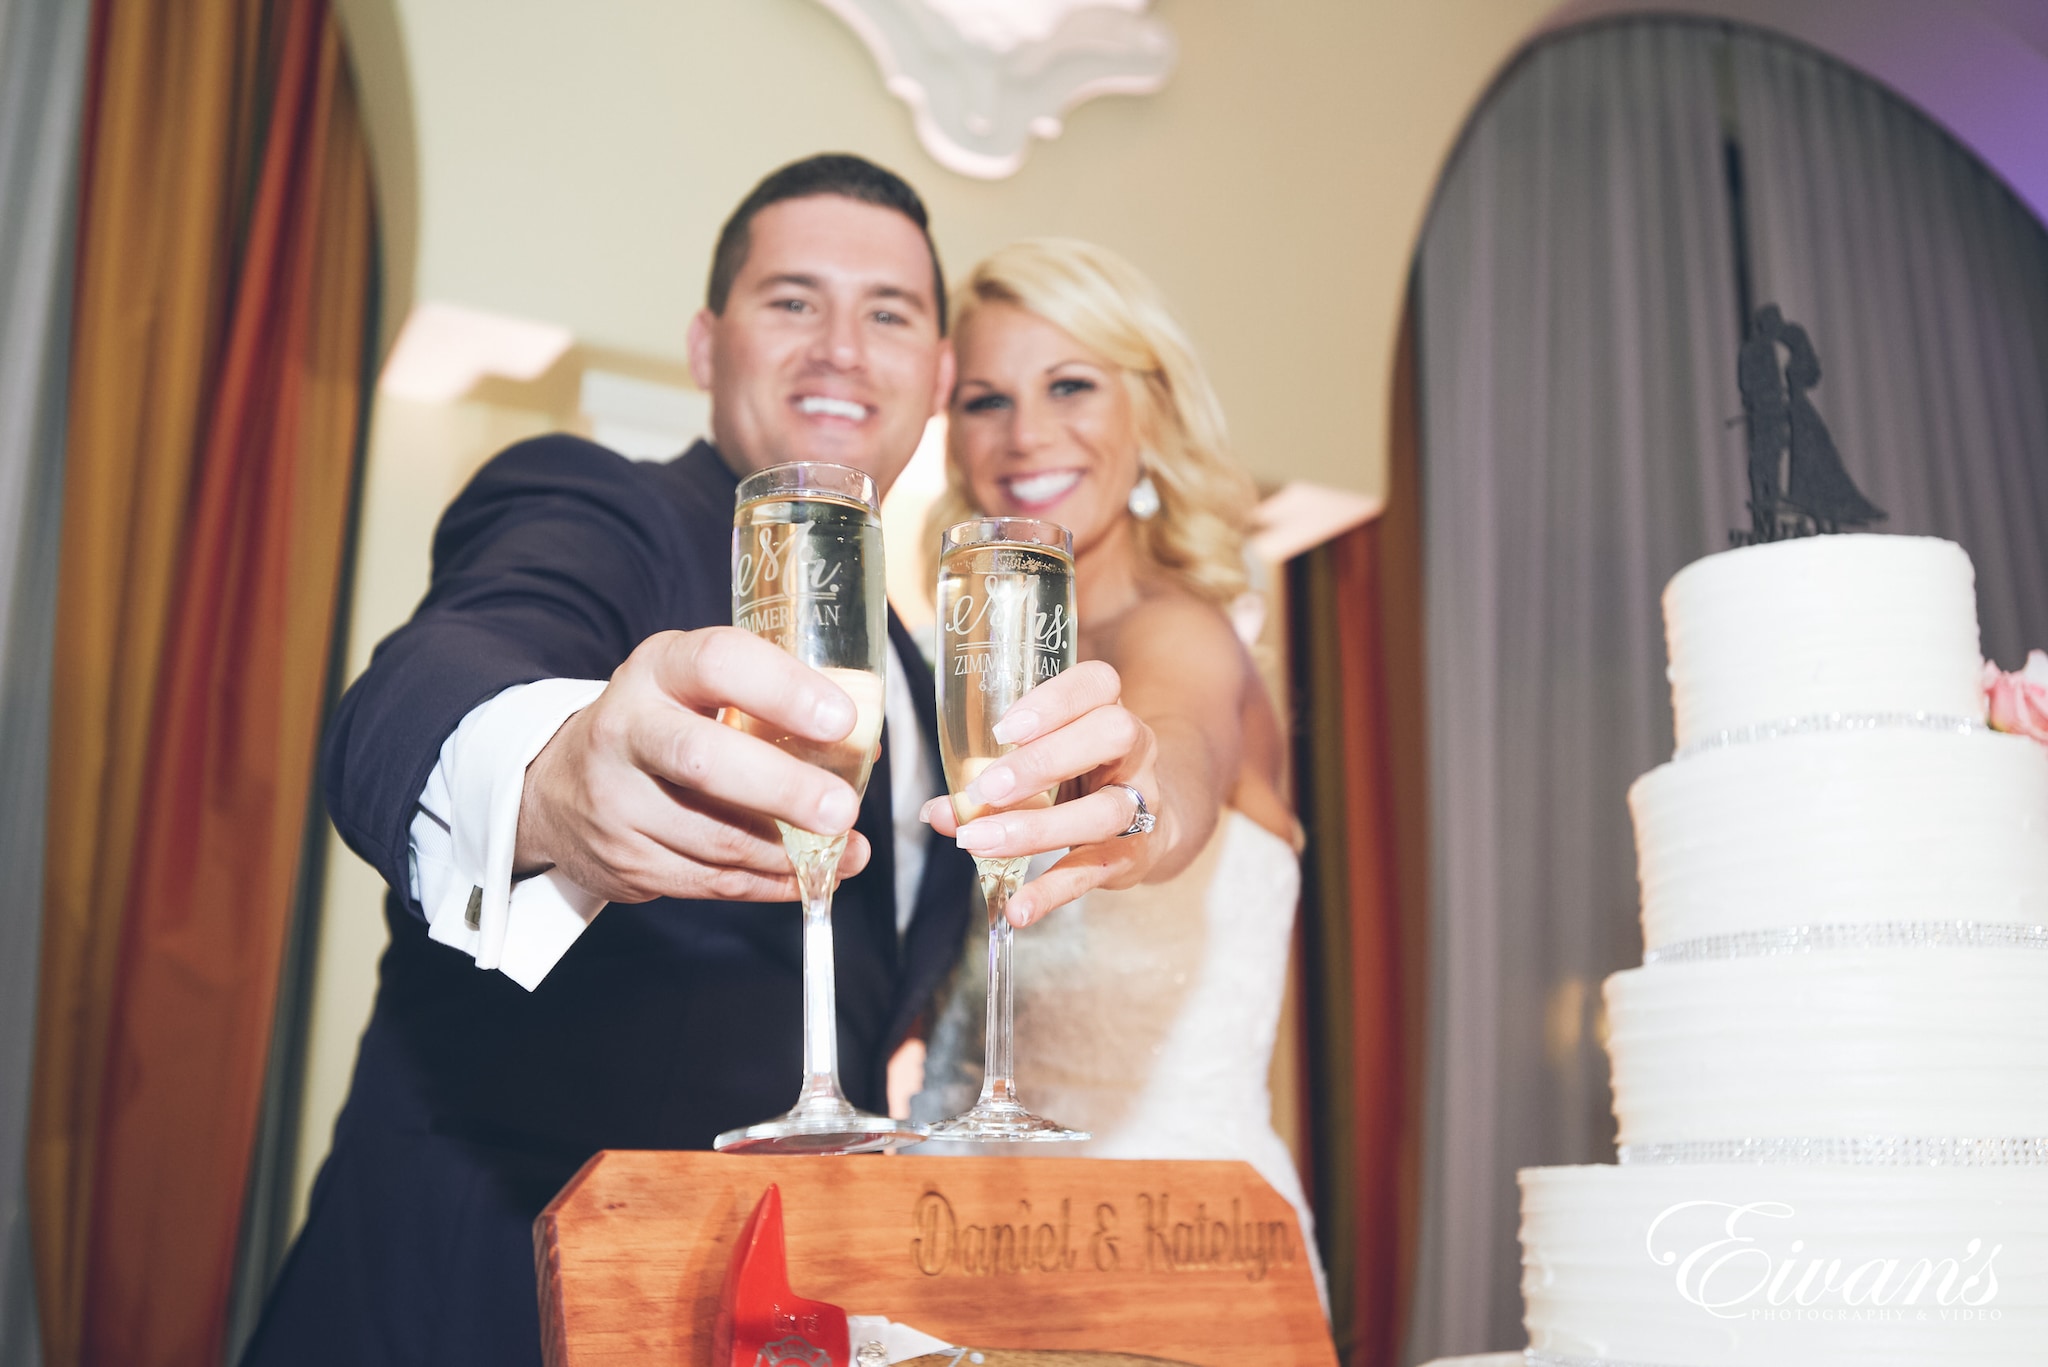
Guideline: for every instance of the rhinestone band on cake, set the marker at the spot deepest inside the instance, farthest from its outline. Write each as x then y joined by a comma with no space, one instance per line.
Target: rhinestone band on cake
1920,1152
1833,721
1849,935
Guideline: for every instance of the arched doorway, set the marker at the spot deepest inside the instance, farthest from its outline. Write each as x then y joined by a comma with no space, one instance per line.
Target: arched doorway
1623,197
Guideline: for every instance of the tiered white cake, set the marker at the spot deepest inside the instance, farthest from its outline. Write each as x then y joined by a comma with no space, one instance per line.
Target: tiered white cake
1831,1073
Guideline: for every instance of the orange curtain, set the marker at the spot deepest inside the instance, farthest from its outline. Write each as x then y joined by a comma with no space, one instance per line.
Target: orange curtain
1355,635
225,260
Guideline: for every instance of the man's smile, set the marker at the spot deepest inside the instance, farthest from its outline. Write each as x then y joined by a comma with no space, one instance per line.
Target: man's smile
827,406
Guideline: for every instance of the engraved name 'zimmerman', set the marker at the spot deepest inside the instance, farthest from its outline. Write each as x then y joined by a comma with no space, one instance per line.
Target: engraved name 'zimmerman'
1164,1240
786,558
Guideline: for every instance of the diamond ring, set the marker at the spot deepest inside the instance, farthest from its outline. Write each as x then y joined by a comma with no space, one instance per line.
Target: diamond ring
1142,821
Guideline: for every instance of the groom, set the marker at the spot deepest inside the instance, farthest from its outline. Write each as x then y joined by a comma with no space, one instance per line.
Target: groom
639,1001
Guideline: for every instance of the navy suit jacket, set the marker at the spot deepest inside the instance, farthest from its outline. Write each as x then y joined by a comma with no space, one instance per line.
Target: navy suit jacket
667,1022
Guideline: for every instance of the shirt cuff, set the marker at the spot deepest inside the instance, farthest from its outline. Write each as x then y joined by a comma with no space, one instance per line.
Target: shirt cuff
522,928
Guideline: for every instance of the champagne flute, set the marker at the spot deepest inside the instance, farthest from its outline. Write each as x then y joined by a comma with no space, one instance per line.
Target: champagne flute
1006,622
807,574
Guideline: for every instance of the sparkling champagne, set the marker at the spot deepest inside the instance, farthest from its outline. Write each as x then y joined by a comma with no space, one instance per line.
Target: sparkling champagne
1006,623
807,574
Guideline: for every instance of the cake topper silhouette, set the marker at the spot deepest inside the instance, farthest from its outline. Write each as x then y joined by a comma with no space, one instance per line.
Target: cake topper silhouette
1797,483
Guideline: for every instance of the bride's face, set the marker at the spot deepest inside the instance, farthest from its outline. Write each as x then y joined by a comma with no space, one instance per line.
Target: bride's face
1040,426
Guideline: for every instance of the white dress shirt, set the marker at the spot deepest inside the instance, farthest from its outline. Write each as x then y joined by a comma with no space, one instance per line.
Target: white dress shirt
467,823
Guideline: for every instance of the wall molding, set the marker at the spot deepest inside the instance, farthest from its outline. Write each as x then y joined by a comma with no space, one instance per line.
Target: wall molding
984,77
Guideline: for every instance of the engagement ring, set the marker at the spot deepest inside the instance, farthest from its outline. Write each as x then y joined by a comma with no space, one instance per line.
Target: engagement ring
1143,821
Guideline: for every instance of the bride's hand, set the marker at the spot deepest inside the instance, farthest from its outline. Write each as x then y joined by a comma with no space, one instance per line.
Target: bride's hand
1070,728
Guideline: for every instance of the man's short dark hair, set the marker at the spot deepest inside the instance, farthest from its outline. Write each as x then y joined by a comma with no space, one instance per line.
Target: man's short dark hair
828,173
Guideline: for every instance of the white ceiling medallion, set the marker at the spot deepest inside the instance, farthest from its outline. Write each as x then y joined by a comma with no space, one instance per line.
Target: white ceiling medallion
983,77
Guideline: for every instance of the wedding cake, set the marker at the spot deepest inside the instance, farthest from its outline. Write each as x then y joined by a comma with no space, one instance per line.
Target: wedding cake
1831,1072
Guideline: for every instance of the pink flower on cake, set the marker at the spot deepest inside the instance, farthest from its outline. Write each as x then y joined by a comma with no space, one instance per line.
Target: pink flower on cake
2019,701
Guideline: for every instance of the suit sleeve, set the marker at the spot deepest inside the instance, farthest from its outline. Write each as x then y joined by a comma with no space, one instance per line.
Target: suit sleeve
553,563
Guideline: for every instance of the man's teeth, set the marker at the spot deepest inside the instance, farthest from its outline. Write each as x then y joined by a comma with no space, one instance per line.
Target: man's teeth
832,408
1039,488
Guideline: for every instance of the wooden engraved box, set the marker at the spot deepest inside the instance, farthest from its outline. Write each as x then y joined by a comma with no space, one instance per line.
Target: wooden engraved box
1194,1262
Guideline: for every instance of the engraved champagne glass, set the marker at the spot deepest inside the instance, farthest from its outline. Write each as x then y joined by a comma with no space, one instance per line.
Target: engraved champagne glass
1006,622
807,574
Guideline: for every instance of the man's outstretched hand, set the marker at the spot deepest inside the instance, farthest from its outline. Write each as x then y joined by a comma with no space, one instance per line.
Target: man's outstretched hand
645,794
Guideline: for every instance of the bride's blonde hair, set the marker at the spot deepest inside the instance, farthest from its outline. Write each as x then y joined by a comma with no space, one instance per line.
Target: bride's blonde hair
1105,304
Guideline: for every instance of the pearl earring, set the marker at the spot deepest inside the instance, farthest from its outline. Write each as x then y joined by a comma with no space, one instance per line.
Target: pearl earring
1144,499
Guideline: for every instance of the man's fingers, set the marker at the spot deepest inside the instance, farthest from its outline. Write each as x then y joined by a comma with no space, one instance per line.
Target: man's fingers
717,834
642,795
1059,700
720,667
728,766
1101,815
1105,736
720,836
858,852
662,872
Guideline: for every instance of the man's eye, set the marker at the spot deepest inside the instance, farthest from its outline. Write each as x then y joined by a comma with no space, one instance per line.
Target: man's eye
986,403
1066,388
792,305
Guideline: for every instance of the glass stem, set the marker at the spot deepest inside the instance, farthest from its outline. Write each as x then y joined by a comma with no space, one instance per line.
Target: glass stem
817,874
999,879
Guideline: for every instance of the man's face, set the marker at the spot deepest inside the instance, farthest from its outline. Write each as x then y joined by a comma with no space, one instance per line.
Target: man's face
829,346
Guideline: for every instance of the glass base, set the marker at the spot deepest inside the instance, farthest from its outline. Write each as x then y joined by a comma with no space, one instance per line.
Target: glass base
1004,1122
821,1129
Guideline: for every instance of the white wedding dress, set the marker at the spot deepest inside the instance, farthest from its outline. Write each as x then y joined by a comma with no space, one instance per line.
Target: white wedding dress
1146,1016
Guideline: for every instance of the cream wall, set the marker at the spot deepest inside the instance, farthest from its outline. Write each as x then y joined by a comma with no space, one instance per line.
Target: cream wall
571,162
574,161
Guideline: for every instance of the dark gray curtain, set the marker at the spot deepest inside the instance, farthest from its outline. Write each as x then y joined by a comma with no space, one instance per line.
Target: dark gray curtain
1621,197
42,82
1924,284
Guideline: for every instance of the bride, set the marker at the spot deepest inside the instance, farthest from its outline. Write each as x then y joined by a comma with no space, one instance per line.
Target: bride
1149,991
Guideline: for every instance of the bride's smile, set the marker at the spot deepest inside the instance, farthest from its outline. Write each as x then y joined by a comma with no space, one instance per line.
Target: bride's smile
1041,425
